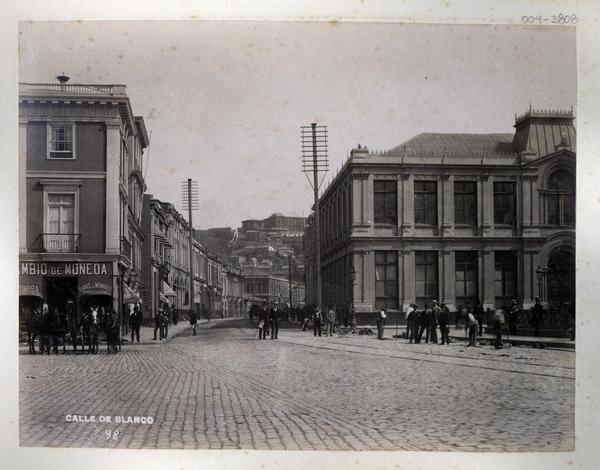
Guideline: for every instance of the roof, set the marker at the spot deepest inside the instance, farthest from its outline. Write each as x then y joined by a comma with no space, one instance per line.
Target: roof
457,145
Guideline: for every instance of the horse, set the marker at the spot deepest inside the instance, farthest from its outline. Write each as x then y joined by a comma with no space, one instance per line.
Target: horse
51,331
33,327
111,332
90,326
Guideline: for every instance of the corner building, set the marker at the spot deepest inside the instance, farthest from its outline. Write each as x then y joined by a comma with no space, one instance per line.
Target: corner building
453,217
80,197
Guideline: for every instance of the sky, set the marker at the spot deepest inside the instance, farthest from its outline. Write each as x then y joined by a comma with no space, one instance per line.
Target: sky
224,100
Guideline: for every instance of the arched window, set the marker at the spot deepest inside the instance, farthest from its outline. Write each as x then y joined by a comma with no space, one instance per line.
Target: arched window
560,198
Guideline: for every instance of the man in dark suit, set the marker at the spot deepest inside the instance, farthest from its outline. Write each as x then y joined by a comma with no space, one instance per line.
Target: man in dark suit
444,322
317,321
135,321
274,321
263,317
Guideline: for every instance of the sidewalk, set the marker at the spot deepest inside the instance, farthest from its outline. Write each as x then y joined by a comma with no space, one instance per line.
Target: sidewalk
459,335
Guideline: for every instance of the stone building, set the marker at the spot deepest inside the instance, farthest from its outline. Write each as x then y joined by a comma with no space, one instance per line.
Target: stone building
453,217
80,191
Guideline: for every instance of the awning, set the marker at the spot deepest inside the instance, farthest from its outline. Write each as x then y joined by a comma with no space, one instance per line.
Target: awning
130,297
30,290
163,298
166,289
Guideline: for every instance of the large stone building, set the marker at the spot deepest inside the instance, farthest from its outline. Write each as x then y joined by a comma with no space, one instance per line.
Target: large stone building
454,217
80,192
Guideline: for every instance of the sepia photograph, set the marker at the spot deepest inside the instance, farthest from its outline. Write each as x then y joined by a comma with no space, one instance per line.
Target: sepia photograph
296,235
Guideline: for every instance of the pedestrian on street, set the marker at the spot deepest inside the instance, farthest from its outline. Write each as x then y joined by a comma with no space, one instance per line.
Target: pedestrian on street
330,321
432,315
444,322
193,321
422,316
381,323
163,325
537,316
135,321
262,322
478,312
157,323
274,321
411,322
175,316
166,321
498,319
472,322
513,317
317,321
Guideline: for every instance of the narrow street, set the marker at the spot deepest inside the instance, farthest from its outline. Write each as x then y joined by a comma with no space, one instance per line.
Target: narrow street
224,389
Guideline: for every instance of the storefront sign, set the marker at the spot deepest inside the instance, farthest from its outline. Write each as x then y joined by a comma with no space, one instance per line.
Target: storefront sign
65,269
30,290
95,288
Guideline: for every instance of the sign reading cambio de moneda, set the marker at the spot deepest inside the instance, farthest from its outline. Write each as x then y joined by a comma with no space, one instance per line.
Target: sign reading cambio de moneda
64,269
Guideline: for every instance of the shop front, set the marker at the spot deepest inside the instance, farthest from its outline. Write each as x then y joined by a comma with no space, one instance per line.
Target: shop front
70,287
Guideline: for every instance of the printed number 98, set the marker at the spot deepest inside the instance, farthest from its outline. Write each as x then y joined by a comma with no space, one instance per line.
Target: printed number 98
108,433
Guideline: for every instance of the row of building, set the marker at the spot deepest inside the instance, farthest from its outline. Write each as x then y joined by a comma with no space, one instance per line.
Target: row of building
90,235
452,217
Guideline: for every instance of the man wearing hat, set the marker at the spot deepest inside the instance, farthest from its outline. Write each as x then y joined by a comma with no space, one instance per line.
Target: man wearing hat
317,321
537,313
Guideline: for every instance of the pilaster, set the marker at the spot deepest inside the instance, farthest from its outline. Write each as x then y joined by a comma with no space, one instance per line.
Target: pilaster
449,288
447,205
23,187
113,198
487,278
408,217
409,279
487,199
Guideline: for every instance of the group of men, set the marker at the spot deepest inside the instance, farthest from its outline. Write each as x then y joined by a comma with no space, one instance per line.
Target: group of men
268,321
419,322
317,320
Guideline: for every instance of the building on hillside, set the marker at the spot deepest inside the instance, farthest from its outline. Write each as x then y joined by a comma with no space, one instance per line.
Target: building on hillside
454,217
80,191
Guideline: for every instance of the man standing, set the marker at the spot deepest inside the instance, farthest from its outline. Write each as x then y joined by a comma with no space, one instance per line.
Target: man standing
135,321
410,317
262,322
193,321
381,323
498,319
274,320
432,322
330,320
478,312
157,322
472,322
444,322
537,314
317,321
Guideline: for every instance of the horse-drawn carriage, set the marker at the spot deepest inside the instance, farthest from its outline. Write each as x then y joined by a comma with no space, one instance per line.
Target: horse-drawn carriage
80,325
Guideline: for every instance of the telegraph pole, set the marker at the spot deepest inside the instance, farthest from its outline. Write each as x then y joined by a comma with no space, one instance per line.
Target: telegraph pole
189,195
315,161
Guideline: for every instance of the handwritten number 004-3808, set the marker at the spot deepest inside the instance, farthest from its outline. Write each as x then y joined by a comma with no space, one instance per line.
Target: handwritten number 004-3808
555,19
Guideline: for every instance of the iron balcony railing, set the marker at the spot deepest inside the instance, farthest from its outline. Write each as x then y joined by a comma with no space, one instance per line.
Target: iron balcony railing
125,247
57,243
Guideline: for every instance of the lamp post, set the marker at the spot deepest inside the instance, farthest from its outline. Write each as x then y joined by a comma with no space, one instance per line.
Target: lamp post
132,274
541,274
352,284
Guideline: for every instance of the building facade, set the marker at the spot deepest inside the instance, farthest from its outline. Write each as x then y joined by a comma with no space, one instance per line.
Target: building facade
260,287
80,190
452,217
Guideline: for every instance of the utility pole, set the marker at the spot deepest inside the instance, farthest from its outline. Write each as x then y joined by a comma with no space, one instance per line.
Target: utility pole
189,194
290,277
315,161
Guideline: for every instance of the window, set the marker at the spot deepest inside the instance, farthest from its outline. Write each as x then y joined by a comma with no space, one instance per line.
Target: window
61,138
426,202
504,203
505,277
466,277
465,202
560,199
385,201
386,279
61,213
426,276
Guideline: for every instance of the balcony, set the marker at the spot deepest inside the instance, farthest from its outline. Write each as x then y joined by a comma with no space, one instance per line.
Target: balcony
56,243
125,248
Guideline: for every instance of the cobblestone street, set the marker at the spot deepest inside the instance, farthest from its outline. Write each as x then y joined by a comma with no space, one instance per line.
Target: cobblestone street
224,389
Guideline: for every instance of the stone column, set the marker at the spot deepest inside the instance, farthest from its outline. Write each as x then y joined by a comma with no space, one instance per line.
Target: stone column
487,276
409,279
23,187
535,201
447,214
113,197
449,293
529,279
526,201
487,198
408,206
